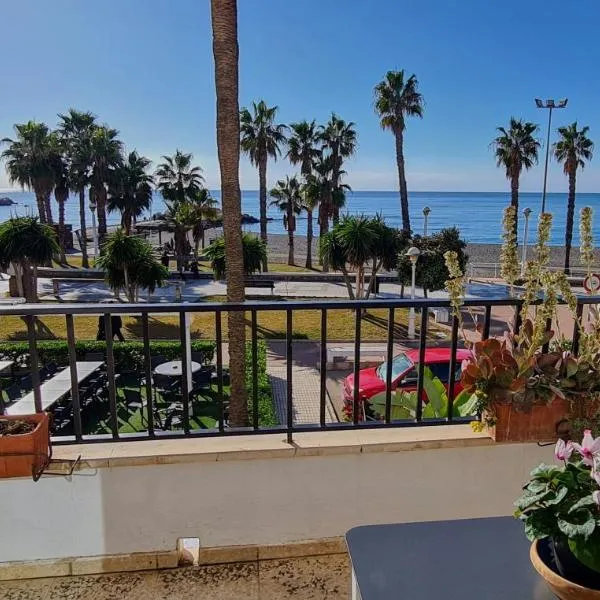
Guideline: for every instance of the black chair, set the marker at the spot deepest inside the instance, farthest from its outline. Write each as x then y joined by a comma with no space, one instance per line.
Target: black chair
26,383
93,356
44,374
133,399
157,360
52,368
202,379
199,357
13,393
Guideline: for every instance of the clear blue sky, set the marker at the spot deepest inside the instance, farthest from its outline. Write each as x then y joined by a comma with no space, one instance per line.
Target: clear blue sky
145,67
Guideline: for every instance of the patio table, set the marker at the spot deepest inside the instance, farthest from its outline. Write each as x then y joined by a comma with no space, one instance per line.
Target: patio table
471,559
174,368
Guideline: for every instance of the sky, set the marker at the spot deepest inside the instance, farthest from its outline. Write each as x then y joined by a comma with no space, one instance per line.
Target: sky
145,67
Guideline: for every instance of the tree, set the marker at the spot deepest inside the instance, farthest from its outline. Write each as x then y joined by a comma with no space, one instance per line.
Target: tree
261,138
26,243
130,191
181,217
516,149
204,210
431,273
29,163
573,150
287,197
129,264
304,150
60,170
339,139
396,98
105,159
178,179
254,252
360,242
75,129
226,55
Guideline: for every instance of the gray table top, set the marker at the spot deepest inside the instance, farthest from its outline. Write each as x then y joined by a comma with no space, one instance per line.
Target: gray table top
474,559
174,368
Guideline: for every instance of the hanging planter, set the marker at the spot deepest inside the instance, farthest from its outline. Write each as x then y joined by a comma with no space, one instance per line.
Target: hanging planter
24,445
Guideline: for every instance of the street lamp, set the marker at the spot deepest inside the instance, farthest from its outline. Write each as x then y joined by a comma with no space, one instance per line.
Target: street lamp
413,255
550,105
526,214
426,212
94,230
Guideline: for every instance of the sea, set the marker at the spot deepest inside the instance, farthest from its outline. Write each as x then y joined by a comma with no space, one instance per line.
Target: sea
478,215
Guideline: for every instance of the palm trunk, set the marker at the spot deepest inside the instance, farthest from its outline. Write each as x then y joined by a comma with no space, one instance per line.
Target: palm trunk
514,199
323,231
41,204
336,214
309,238
226,54
84,255
399,136
101,208
570,216
290,228
61,226
262,193
48,206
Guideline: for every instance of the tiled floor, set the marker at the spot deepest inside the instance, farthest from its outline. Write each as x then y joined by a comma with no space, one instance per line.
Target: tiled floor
312,578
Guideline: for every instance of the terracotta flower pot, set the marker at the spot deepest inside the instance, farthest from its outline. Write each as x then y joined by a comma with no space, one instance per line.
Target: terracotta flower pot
26,454
537,425
563,588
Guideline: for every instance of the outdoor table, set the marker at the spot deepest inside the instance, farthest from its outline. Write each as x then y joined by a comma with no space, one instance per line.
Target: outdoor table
474,559
174,368
5,364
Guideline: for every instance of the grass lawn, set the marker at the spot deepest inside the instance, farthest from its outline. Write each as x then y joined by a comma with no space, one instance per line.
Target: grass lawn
271,325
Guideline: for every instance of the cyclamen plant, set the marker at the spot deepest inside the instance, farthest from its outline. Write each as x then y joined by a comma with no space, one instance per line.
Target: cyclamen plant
563,503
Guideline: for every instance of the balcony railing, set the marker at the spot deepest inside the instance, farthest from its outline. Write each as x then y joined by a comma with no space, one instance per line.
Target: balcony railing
391,307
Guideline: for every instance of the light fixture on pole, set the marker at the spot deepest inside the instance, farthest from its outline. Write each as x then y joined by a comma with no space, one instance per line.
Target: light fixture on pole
94,229
526,214
550,105
426,212
413,255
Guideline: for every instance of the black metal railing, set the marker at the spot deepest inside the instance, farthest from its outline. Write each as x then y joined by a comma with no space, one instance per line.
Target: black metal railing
324,307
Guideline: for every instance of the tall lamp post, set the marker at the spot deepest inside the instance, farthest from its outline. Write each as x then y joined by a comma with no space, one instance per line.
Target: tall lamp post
426,212
413,255
526,214
94,230
550,105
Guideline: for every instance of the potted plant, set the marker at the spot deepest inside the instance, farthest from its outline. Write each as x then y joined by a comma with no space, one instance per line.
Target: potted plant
560,507
24,445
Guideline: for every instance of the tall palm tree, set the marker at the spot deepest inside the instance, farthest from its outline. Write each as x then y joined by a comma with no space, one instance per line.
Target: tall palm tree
303,150
106,156
75,128
178,179
573,150
226,55
60,169
204,209
130,192
339,138
396,98
261,138
320,188
29,163
516,149
287,197
182,218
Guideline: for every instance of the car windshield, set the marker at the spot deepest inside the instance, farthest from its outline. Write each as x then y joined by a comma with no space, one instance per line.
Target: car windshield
400,364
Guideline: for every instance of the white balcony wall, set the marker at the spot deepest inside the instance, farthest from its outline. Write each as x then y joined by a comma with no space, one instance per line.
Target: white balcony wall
256,501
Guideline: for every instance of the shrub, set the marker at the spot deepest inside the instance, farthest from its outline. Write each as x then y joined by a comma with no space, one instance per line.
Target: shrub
267,417
129,356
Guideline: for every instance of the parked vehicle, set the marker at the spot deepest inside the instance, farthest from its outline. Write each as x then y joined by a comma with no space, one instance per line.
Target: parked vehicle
372,380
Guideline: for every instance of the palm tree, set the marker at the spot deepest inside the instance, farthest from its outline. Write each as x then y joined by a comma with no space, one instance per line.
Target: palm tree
204,209
320,190
181,217
27,243
75,129
397,98
310,201
287,197
254,252
573,150
105,158
516,149
178,179
130,192
339,138
29,163
261,138
303,150
226,54
61,190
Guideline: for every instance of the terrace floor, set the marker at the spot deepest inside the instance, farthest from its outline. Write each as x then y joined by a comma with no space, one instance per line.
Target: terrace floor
310,578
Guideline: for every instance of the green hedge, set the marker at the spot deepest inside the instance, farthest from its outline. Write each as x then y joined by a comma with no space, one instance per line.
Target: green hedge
267,417
129,356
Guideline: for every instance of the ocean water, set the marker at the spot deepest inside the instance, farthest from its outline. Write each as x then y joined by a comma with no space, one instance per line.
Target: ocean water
478,215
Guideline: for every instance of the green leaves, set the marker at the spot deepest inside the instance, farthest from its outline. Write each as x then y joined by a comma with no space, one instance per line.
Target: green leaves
254,251
581,523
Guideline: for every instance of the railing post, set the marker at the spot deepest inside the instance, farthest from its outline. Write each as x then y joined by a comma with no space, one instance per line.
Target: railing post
34,363
219,348
518,321
74,378
254,345
185,374
388,370
323,364
421,365
289,373
148,371
487,321
356,394
110,375
452,373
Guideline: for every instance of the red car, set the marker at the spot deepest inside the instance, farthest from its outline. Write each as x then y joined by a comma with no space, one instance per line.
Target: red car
371,381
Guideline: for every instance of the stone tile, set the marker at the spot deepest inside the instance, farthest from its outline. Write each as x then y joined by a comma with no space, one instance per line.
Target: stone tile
319,443
110,564
167,560
230,554
35,569
315,578
222,582
303,549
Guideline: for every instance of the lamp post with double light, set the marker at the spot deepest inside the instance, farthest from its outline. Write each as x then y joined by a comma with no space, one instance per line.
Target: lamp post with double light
94,229
550,104
413,255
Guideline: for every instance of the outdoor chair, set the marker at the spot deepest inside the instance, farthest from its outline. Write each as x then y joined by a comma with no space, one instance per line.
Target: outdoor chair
133,399
199,357
52,368
13,393
44,374
202,378
93,356
26,383
157,360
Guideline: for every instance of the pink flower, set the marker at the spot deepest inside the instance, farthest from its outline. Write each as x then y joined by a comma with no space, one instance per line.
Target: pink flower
589,447
563,450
